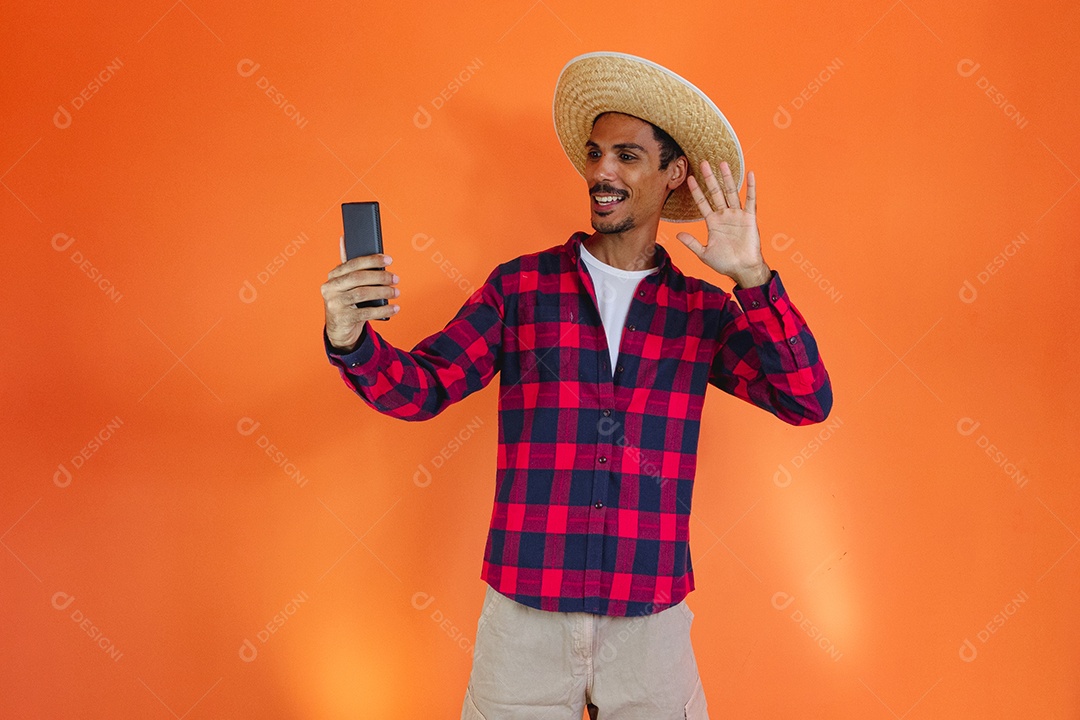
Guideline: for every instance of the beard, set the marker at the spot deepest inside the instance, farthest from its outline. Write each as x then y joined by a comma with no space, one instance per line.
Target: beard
607,227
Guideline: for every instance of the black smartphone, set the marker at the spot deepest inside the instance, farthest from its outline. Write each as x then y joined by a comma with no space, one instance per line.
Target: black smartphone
363,235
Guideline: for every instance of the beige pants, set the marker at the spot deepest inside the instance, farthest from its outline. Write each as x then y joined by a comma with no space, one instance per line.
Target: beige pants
531,664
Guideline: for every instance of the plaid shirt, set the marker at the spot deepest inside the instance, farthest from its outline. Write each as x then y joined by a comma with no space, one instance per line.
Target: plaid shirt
596,464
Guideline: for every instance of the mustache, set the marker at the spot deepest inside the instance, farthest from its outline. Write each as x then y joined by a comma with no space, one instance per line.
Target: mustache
605,189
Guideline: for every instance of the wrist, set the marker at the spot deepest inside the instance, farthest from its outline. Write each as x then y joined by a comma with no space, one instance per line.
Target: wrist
753,278
341,346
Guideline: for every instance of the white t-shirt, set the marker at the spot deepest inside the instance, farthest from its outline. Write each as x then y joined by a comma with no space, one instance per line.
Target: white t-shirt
614,291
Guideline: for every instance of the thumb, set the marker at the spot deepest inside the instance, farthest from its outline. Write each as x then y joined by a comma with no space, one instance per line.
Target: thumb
341,245
691,242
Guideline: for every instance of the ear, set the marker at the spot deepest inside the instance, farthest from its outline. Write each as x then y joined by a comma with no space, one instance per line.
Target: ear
677,172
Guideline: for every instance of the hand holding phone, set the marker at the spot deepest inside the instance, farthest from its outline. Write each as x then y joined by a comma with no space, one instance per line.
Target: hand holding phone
358,289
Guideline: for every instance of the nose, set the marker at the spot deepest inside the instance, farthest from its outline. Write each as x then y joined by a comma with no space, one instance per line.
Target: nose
603,169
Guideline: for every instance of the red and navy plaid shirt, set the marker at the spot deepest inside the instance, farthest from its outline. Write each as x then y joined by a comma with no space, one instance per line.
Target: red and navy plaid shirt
596,464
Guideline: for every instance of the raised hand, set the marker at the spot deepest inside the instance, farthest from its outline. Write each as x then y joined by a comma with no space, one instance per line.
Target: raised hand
734,244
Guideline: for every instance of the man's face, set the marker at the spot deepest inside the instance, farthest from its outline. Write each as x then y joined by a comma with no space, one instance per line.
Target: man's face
622,171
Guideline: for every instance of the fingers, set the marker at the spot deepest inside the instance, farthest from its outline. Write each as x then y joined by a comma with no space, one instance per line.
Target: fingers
751,193
342,314
699,197
717,195
691,242
731,190
341,246
383,312
363,262
366,293
359,279
722,197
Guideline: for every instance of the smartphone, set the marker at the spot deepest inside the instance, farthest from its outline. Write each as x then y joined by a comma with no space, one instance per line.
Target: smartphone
363,235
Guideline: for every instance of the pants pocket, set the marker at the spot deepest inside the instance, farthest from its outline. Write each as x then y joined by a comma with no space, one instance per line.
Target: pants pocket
687,611
490,598
696,707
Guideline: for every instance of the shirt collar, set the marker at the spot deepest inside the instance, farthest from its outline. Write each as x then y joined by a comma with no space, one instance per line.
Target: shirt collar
663,260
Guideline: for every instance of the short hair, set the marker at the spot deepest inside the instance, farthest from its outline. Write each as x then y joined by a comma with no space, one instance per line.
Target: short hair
669,149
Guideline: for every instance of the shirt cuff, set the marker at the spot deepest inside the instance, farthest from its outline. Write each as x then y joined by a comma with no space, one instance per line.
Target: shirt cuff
364,352
762,295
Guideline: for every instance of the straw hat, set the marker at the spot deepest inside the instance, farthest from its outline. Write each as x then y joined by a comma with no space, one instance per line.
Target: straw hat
601,82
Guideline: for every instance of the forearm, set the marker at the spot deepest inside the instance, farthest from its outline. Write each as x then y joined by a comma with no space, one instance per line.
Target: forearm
442,369
770,358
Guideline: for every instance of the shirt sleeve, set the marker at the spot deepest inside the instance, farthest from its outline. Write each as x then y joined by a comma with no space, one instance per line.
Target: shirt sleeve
768,356
440,370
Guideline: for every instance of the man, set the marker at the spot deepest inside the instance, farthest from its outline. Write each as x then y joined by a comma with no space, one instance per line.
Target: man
604,350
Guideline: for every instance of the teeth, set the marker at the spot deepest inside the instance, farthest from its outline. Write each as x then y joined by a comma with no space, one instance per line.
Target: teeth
605,199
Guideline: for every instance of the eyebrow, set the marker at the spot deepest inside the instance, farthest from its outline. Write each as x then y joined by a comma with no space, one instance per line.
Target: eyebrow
619,146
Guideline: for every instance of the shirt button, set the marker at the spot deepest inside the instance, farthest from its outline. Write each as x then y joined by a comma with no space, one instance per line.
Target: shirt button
618,369
774,298
598,505
641,293
607,413
793,340
755,303
631,328
602,460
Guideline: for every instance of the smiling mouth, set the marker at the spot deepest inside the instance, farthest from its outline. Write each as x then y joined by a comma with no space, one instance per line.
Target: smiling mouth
602,202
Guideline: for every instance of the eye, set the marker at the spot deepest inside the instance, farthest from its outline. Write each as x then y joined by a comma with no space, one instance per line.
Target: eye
593,154
627,157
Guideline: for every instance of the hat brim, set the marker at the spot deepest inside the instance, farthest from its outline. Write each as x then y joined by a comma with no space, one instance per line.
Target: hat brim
600,82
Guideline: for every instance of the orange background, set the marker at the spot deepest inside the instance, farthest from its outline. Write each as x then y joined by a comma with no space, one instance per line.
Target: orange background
896,536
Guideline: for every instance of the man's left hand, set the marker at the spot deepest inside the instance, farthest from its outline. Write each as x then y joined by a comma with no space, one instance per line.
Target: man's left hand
734,244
